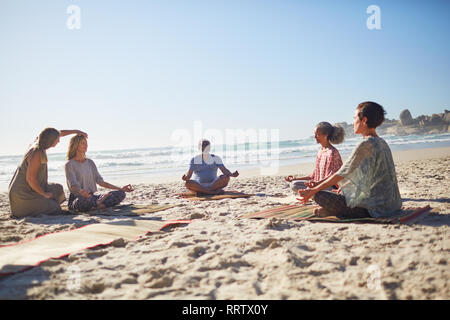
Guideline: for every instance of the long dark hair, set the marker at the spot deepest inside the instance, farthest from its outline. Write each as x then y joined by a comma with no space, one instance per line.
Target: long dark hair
335,133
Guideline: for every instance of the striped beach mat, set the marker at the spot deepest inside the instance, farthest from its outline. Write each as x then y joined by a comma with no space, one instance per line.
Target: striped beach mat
125,210
299,213
226,195
26,254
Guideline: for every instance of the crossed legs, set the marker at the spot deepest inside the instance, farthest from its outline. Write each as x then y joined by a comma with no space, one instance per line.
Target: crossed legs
214,188
82,204
333,204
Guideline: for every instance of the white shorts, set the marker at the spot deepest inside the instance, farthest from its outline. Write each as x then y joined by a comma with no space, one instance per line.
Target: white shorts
300,185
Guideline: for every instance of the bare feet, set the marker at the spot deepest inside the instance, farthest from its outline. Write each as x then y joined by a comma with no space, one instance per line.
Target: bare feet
321,212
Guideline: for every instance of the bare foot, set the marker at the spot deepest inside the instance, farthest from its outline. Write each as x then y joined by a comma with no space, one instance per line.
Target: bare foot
321,212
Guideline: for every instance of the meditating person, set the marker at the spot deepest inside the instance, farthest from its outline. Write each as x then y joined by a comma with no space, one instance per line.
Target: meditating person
205,166
367,180
29,191
82,179
328,159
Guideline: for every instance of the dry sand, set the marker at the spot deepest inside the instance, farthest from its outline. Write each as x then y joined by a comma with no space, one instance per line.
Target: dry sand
218,256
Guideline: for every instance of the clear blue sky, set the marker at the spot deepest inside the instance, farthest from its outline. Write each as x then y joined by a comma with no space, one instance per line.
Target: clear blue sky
137,70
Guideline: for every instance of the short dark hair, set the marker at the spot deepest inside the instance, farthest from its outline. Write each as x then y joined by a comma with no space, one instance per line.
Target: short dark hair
373,112
203,144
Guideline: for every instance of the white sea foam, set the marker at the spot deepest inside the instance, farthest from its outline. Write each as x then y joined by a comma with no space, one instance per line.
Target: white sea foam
167,159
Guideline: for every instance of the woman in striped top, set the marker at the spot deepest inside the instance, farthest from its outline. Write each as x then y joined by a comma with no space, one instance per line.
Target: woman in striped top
328,160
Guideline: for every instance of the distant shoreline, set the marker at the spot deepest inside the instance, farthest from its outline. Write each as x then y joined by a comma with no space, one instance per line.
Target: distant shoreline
308,167
300,167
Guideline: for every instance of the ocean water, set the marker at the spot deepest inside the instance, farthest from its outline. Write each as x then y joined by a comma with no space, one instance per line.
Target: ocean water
148,162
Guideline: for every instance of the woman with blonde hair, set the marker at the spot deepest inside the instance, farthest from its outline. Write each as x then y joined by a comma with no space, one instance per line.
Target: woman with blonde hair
82,178
328,159
29,191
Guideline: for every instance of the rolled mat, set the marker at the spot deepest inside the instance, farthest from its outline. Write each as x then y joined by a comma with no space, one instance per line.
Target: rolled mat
407,215
26,254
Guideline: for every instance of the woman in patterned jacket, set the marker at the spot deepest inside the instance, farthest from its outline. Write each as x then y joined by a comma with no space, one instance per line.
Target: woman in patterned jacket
368,182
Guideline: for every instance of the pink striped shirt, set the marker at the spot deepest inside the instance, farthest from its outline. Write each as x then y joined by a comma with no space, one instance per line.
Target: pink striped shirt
328,162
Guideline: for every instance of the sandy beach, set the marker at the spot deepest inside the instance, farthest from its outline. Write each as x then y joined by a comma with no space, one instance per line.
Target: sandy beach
218,256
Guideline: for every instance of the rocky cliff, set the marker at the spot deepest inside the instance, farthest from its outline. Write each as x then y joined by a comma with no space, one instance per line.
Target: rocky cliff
434,124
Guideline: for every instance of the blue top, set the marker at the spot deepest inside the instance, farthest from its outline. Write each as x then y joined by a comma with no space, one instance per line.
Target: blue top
205,171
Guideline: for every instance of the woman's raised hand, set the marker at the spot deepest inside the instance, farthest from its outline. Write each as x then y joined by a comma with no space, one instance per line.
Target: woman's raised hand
84,134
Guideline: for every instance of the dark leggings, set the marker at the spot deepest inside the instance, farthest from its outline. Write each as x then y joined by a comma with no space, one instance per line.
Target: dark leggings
83,204
336,205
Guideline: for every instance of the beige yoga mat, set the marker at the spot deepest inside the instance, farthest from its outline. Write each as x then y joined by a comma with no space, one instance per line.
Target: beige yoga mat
23,255
125,210
225,195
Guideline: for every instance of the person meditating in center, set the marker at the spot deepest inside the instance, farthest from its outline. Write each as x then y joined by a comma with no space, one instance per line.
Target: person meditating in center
82,179
205,166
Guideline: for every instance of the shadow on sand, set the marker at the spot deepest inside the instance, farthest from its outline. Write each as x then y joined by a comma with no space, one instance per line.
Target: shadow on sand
16,286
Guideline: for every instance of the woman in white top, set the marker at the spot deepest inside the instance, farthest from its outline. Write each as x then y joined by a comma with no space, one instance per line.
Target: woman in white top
82,179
